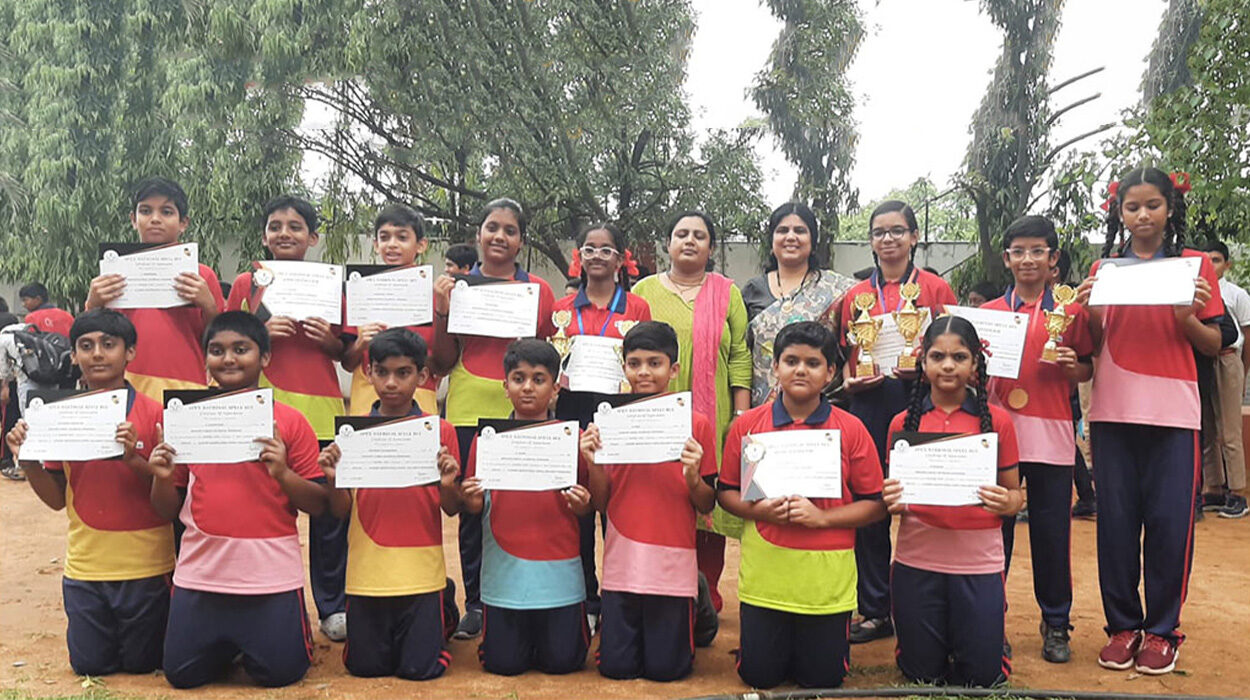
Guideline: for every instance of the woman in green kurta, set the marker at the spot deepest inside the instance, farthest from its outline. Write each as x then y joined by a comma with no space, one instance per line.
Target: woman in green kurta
706,311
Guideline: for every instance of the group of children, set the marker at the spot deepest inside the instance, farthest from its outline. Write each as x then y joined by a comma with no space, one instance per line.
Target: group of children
376,559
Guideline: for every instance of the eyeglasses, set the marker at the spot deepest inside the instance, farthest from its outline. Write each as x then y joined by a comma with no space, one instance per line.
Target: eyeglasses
606,252
896,232
1031,253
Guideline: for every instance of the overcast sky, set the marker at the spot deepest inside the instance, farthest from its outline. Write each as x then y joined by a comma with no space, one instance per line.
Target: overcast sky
920,74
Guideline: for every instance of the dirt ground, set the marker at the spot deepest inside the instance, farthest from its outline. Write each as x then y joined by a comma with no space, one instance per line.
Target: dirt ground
1214,661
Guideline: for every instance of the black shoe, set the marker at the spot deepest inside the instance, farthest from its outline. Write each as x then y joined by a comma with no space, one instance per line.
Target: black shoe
1006,650
1212,502
1055,647
1198,514
470,625
1023,515
1236,507
11,471
451,612
1085,509
871,629
706,623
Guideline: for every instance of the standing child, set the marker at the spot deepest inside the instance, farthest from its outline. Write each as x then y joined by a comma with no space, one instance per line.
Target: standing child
41,313
894,234
650,576
120,551
459,259
533,595
1223,455
947,579
303,376
173,357
402,608
796,581
1144,416
473,365
1039,403
239,584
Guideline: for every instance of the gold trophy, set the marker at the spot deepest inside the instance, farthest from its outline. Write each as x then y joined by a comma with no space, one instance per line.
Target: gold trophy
909,320
560,341
863,334
1057,322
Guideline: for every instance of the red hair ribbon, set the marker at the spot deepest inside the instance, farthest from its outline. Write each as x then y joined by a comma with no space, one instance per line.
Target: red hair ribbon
985,348
1180,181
1112,193
575,267
631,265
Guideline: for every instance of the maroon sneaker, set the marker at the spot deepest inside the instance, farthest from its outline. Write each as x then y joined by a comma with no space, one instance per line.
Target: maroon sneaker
1120,650
1157,656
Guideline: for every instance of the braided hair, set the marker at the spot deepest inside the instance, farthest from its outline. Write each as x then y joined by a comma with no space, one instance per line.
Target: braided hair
618,242
1174,236
920,389
888,207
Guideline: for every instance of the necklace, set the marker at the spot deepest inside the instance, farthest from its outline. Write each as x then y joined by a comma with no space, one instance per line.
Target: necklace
684,289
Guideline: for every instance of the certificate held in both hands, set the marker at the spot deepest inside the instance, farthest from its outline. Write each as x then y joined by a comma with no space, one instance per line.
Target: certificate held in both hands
298,289
212,426
1130,282
386,453
940,469
792,463
650,430
524,456
395,296
150,270
493,308
74,426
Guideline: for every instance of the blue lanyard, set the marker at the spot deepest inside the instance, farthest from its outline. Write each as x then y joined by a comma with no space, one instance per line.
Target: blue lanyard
879,287
611,310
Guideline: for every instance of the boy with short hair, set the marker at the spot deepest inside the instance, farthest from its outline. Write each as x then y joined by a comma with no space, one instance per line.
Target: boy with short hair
533,591
1223,456
402,605
797,580
650,576
172,358
459,259
120,550
239,583
41,313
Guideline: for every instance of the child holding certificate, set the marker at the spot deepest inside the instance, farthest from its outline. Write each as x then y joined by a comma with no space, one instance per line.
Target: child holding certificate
796,581
403,606
650,576
947,579
239,583
120,551
303,376
533,594
473,365
1144,420
172,357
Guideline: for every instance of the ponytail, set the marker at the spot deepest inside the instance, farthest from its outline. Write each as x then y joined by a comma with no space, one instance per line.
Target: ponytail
1173,188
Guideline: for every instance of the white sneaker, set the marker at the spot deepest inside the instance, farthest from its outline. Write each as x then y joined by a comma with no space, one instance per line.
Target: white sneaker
592,623
335,627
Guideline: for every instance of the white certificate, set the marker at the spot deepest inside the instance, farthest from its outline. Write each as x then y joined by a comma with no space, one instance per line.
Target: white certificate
390,453
647,431
1003,333
540,457
792,463
300,290
222,428
150,272
76,428
945,472
395,296
595,365
890,343
503,310
1166,282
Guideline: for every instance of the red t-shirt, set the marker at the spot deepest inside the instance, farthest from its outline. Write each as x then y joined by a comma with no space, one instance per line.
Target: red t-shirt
935,295
50,319
169,354
593,319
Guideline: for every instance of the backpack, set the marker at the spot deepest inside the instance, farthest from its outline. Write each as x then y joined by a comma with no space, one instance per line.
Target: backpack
44,357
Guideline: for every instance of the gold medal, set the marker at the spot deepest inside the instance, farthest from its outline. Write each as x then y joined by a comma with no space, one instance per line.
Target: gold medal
1018,398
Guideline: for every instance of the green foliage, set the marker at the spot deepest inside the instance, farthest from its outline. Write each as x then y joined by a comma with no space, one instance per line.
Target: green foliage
950,214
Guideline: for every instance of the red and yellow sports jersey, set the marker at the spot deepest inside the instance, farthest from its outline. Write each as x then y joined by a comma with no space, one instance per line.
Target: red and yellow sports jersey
363,396
114,535
301,374
587,319
240,533
791,567
395,536
649,543
1145,371
169,354
1039,399
956,539
50,319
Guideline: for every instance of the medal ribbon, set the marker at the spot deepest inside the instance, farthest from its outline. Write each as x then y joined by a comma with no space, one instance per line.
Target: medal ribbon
616,298
879,287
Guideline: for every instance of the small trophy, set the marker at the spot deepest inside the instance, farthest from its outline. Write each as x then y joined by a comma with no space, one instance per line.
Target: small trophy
1057,322
909,320
560,341
863,334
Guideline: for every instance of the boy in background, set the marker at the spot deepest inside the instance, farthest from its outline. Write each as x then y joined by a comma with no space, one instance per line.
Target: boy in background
459,259
41,313
1223,457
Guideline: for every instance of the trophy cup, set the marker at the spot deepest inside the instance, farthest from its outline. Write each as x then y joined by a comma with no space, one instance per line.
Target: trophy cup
909,320
863,334
560,341
1057,322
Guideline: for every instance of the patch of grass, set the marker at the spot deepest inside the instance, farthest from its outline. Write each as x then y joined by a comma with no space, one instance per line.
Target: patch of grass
93,693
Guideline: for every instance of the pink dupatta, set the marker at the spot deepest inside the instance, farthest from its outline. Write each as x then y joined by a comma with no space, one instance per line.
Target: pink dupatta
711,308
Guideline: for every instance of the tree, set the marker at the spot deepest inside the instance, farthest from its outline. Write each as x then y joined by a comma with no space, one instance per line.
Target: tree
947,215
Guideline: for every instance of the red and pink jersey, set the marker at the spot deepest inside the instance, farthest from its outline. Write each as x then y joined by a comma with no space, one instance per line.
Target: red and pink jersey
956,539
1044,421
935,294
241,535
649,543
169,354
1145,371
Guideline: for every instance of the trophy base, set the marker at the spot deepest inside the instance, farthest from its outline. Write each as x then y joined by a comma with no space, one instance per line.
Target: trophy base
1050,355
864,370
907,361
